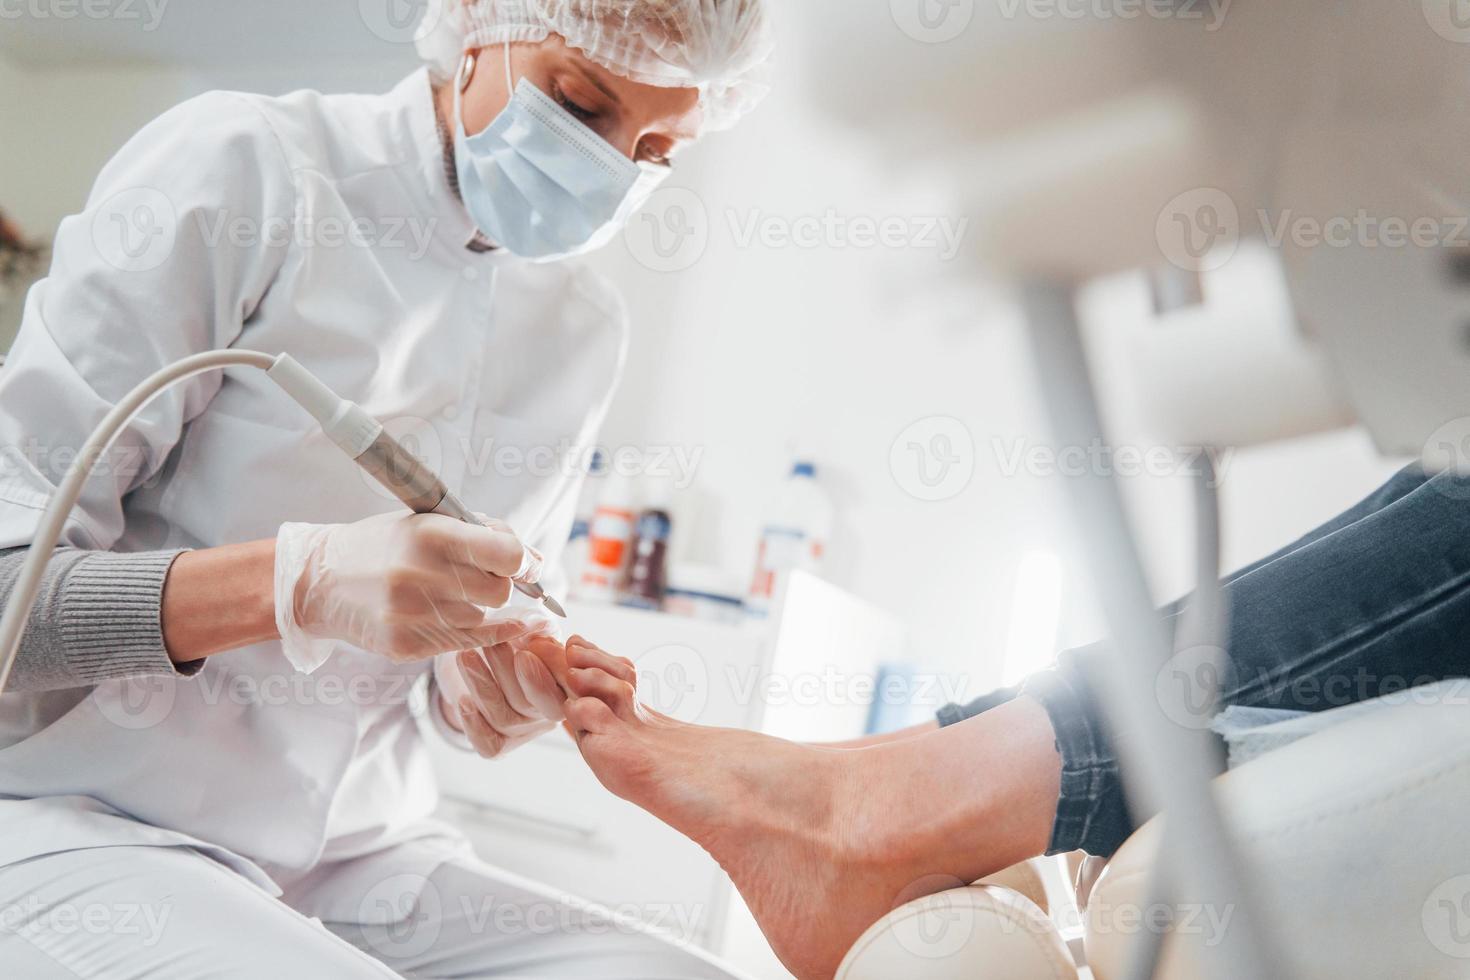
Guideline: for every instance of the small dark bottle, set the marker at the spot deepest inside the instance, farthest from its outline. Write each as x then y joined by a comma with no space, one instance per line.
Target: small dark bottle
648,573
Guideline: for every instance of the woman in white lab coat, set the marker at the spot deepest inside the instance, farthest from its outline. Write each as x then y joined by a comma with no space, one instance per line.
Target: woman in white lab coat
210,740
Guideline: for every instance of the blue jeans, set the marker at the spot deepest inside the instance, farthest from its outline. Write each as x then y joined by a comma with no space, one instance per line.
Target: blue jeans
1375,602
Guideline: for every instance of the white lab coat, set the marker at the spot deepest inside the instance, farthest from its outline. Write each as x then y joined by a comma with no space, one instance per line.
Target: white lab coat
323,226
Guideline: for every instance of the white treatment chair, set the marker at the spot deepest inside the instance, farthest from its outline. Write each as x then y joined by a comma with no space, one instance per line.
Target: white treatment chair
1356,836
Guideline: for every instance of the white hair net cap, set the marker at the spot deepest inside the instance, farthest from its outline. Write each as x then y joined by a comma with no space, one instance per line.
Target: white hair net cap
721,47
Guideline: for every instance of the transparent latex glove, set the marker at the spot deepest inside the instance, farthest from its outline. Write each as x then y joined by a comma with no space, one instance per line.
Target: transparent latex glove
545,673
406,586
507,694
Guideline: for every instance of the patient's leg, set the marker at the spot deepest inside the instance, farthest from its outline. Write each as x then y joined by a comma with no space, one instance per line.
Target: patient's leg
823,842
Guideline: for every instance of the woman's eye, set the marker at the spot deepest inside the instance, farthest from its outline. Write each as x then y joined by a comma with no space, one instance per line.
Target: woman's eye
570,106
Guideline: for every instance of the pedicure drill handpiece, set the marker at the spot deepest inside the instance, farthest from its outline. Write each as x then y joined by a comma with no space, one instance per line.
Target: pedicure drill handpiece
364,439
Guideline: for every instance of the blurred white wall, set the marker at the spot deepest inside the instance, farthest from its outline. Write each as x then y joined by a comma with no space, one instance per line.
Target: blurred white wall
755,348
57,129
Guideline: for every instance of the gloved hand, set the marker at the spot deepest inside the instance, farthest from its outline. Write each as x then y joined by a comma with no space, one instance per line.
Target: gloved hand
406,586
507,694
519,690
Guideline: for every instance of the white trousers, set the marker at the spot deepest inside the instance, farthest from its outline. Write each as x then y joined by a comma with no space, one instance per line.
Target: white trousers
169,913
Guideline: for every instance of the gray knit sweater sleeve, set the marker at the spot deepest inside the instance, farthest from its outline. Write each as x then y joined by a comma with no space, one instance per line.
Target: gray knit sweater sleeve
98,617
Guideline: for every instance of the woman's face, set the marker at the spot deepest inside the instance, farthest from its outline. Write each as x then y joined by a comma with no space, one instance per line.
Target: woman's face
646,123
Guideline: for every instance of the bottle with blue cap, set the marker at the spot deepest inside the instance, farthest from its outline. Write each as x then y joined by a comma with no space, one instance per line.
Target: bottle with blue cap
794,536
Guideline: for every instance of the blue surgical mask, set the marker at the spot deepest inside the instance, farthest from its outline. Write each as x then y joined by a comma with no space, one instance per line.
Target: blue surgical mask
542,185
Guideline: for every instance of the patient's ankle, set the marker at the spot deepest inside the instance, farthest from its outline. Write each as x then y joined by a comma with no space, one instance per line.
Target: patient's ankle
960,803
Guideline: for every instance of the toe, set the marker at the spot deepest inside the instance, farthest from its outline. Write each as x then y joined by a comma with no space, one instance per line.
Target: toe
615,693
591,715
585,656
551,653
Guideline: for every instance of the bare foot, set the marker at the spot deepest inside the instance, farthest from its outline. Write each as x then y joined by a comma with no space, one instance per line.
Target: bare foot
820,842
